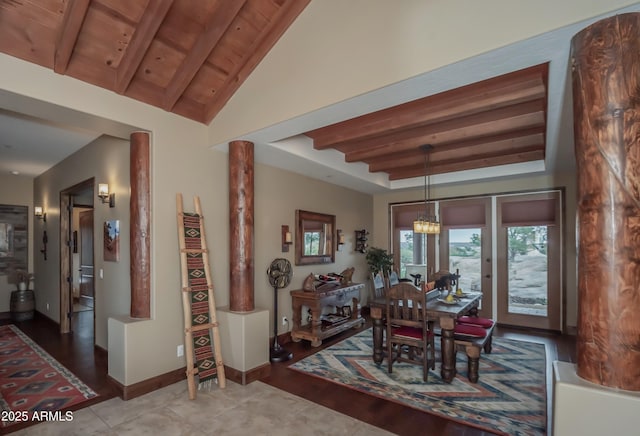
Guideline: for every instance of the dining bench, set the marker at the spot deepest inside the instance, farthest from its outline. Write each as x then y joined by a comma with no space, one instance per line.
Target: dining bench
472,334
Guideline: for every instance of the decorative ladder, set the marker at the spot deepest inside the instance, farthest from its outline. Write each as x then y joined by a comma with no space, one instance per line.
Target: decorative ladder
202,338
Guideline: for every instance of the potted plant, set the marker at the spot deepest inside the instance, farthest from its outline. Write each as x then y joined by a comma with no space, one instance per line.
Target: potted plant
23,279
22,304
379,260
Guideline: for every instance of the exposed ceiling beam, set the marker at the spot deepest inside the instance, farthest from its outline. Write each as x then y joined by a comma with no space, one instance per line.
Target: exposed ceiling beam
72,21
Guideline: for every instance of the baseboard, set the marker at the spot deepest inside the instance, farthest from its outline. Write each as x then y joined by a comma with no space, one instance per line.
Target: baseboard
5,315
246,377
144,387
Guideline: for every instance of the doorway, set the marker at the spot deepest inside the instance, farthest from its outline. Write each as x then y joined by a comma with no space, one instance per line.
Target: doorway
77,289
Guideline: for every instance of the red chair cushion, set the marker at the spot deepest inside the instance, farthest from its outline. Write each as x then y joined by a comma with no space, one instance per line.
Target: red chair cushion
410,332
470,330
475,320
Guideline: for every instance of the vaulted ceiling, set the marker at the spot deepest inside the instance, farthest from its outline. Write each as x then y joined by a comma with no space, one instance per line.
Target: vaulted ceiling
184,56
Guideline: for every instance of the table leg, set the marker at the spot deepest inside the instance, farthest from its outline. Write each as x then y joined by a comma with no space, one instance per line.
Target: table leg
447,349
376,319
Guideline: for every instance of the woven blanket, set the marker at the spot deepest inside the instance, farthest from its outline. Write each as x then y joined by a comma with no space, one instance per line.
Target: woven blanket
509,398
199,290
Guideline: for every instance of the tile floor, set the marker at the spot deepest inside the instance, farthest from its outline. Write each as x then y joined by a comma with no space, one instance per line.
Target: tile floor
255,409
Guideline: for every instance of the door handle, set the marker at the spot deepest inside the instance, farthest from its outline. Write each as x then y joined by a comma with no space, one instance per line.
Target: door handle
488,276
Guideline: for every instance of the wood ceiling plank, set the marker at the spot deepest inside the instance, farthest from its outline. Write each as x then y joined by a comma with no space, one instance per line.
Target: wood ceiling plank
200,51
490,94
72,21
468,164
287,13
26,39
522,116
145,32
506,144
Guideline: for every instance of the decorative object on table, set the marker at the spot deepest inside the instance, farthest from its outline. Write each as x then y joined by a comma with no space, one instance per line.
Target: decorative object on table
279,273
361,241
23,300
33,381
201,332
309,283
417,279
112,241
347,276
427,223
506,408
379,260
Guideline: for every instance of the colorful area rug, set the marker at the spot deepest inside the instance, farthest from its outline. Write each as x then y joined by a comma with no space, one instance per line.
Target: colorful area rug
33,381
509,398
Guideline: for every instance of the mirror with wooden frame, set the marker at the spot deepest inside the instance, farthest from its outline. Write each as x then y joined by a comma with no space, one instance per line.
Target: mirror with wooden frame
315,239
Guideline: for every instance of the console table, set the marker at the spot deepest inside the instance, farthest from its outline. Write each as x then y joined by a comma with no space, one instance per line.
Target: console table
347,312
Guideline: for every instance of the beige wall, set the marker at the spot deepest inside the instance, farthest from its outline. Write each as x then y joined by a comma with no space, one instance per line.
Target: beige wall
380,234
107,160
17,190
278,195
337,49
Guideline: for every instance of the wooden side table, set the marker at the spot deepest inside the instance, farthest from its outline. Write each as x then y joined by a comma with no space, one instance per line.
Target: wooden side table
340,298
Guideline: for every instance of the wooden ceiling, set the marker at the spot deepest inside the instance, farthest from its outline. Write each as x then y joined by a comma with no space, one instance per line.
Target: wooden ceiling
189,57
184,56
494,122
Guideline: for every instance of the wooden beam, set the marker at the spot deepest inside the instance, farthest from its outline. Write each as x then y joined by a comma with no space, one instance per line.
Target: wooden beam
487,95
142,38
187,70
506,143
72,21
522,116
470,164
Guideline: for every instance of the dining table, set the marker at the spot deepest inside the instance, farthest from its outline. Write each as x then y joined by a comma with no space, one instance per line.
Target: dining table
437,309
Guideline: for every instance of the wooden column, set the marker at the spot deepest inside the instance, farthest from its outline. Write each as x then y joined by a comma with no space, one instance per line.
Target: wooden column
241,298
606,97
139,209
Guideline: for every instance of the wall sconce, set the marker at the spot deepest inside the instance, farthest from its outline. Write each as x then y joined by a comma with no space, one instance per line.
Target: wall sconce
340,237
103,193
286,239
37,211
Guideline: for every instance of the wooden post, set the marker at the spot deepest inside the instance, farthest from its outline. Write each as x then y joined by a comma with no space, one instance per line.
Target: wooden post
140,230
241,293
606,96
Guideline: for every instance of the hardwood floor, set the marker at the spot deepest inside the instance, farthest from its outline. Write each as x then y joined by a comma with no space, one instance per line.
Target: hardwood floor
76,352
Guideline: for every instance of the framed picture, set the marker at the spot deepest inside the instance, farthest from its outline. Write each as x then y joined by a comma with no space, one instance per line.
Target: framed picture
14,238
112,241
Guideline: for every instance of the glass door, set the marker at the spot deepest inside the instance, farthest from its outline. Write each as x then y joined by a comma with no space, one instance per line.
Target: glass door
529,261
465,246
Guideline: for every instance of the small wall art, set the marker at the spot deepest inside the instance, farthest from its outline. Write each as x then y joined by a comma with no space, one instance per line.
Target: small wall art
112,241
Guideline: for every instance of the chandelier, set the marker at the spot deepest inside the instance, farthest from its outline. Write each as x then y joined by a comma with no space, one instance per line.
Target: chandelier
426,223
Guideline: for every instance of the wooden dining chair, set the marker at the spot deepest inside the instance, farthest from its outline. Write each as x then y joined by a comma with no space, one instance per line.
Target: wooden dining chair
393,278
378,287
409,337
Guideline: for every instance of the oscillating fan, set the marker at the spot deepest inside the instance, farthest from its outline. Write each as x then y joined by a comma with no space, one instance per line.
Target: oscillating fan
280,274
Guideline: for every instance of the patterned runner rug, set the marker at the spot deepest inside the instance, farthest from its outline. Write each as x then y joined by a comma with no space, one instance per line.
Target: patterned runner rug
509,398
33,381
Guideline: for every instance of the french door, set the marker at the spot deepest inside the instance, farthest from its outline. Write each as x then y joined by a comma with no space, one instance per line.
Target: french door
529,261
465,246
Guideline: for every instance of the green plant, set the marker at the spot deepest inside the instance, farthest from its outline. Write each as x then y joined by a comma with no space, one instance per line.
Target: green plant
379,260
